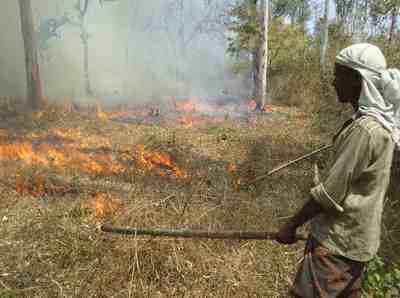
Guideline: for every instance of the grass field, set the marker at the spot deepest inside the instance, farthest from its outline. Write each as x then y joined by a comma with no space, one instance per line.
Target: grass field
63,173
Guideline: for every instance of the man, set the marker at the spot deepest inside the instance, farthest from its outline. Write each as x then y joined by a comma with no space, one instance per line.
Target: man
346,205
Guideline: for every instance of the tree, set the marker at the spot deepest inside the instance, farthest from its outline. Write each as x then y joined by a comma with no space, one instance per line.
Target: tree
353,17
325,37
182,22
247,24
386,11
81,7
287,43
34,84
264,57
298,11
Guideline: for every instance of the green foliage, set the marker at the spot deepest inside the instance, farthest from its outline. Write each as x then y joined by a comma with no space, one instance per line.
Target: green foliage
7,294
299,11
241,66
286,44
291,50
246,28
76,183
289,46
382,280
383,7
390,49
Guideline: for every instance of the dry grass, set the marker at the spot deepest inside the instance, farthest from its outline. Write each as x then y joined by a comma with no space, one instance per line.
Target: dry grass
50,245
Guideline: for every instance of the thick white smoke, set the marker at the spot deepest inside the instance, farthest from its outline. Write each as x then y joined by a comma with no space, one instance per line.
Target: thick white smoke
138,50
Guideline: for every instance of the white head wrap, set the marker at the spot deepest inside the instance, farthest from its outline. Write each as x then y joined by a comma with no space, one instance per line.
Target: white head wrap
380,93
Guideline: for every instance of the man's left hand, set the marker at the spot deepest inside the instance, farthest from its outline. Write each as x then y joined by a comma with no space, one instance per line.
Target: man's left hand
287,235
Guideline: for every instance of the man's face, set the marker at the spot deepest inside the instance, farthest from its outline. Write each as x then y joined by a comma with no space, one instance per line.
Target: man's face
347,83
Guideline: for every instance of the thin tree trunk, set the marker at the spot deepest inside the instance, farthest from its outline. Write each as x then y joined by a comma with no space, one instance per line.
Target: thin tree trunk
393,24
264,56
259,57
325,36
88,88
256,75
35,97
85,44
182,45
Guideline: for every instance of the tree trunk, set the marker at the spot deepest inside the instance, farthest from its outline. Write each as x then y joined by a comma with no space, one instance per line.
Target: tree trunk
264,54
88,88
256,75
260,58
393,24
325,36
35,97
85,44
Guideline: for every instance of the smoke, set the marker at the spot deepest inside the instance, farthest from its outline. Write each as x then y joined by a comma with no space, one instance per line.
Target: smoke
139,50
12,75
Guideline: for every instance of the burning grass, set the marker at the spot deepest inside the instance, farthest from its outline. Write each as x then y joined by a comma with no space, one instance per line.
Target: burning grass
59,180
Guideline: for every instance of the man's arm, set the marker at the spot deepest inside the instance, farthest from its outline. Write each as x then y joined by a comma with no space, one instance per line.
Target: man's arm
287,234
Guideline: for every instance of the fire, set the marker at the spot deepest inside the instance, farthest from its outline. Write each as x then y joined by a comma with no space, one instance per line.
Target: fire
158,161
22,151
252,104
95,163
235,175
100,114
187,121
71,133
187,105
125,112
190,121
268,109
38,183
232,168
104,205
47,155
35,187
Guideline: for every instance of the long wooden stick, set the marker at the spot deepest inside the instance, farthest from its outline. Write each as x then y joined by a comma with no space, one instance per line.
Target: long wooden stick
187,233
262,177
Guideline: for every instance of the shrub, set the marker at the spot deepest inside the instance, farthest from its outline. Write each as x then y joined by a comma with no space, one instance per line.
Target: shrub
382,280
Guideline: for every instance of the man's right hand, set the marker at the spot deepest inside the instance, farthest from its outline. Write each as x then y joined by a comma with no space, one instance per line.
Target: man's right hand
287,234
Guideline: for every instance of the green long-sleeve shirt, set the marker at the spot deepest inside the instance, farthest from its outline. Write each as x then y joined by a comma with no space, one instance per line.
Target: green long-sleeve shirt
353,190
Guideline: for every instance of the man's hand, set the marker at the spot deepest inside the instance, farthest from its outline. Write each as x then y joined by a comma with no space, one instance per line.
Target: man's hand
287,234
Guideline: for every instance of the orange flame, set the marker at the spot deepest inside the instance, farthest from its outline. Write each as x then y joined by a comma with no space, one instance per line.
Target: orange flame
35,188
156,160
71,133
100,114
21,151
232,168
37,185
104,205
138,111
188,105
187,121
252,104
47,155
